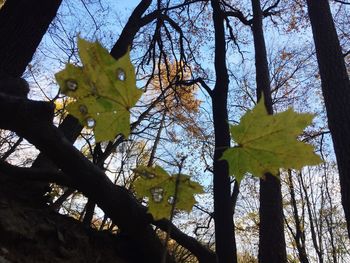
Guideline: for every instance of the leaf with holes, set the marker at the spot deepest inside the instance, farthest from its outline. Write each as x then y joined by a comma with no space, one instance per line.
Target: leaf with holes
159,187
104,90
266,143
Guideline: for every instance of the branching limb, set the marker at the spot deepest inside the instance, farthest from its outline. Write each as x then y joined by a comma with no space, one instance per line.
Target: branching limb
203,254
12,149
270,10
196,81
32,120
33,174
342,2
25,118
240,16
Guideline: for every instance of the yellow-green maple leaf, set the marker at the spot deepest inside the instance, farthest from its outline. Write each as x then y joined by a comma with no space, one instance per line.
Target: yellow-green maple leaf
104,90
266,143
156,184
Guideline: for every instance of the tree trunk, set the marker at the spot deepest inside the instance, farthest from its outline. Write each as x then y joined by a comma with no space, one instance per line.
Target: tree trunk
22,26
312,221
299,235
272,245
336,91
224,227
156,141
70,126
89,212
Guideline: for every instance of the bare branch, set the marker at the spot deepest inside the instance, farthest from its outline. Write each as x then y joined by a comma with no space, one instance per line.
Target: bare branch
34,174
238,14
269,11
25,118
342,2
203,254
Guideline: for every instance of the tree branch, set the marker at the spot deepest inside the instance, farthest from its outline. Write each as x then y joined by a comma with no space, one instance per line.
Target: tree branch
33,174
25,118
203,254
196,81
238,14
342,2
268,11
131,28
12,149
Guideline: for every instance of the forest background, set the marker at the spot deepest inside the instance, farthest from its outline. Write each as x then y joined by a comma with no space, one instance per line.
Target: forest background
201,65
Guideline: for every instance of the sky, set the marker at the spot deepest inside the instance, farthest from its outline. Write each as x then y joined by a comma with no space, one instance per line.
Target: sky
115,19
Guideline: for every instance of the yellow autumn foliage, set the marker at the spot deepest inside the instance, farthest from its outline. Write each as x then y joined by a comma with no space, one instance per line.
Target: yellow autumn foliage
180,100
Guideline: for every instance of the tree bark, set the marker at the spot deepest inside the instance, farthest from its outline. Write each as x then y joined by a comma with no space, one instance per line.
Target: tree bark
272,245
22,26
224,226
336,91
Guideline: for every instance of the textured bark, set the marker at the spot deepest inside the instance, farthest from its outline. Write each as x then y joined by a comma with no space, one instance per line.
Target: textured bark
22,26
336,91
224,226
272,245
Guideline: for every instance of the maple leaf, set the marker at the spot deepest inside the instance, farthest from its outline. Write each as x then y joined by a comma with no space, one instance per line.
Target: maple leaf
159,187
104,90
266,143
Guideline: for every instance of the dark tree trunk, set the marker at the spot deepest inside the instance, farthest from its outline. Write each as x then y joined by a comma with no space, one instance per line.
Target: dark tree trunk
89,212
272,245
22,26
299,235
330,222
156,141
224,227
336,91
312,221
131,218
70,126
58,203
130,30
